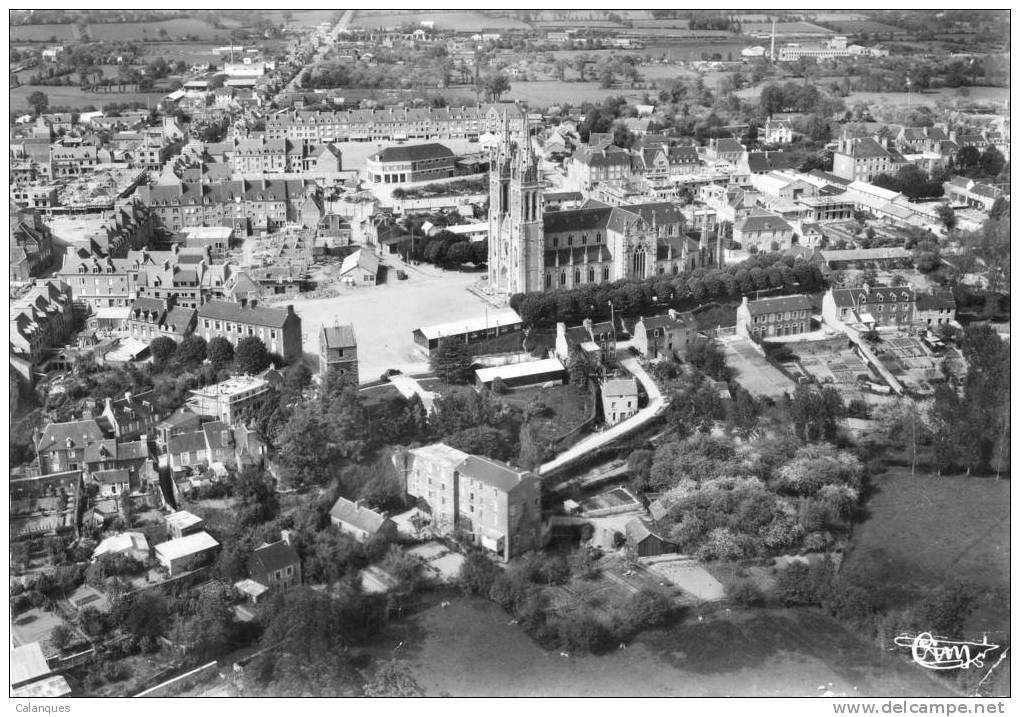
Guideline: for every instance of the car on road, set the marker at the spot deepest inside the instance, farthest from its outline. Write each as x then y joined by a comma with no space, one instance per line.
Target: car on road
401,274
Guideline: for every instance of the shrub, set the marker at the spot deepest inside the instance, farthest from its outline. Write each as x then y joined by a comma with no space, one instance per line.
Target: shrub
746,593
647,608
499,386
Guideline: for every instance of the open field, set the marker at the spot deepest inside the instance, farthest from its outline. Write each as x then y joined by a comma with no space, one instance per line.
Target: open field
74,96
468,649
457,20
384,316
149,30
34,625
41,33
925,531
856,27
784,29
546,93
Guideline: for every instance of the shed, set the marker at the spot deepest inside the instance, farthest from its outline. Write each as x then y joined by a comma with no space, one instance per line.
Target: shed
187,553
527,373
644,542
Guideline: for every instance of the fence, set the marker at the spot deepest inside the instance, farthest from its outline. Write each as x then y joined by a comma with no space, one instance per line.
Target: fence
181,682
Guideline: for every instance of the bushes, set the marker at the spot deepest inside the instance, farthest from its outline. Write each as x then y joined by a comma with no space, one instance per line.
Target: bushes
745,593
647,608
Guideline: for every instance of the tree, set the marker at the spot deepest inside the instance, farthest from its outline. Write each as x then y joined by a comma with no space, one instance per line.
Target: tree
38,101
452,361
220,352
706,356
161,349
191,351
296,378
61,636
207,626
815,414
580,62
306,454
251,355
1000,209
256,497
947,216
992,162
533,448
496,85
143,614
459,253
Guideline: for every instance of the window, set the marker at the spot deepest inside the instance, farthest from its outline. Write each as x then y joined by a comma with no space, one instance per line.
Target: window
563,278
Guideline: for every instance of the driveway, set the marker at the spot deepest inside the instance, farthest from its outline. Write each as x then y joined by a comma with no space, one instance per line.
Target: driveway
752,371
656,404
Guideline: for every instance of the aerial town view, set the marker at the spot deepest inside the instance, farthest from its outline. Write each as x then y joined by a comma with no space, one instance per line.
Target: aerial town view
484,353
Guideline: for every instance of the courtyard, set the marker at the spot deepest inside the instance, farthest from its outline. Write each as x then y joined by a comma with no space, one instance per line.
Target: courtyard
384,316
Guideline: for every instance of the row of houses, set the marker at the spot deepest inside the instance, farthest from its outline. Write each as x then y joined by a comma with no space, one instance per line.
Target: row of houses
866,306
392,123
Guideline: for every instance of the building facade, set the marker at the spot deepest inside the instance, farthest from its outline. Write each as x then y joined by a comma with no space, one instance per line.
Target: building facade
338,350
279,329
775,316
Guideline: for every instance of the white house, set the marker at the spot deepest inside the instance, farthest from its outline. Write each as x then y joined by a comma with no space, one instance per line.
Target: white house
619,399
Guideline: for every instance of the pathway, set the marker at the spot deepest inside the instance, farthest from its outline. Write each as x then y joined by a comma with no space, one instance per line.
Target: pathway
656,404
409,386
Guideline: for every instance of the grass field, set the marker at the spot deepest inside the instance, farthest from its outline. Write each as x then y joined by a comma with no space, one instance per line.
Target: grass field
457,20
142,30
551,92
41,33
856,27
785,29
74,96
469,649
923,531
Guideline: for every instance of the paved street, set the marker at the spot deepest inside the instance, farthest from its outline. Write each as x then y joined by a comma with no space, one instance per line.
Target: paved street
656,404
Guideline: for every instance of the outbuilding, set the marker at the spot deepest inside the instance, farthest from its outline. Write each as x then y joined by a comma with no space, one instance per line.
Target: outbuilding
187,553
528,373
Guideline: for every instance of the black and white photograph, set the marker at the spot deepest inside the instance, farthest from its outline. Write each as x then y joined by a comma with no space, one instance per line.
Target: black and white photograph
488,353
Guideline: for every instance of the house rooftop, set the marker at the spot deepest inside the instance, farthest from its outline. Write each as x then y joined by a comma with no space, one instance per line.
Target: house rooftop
188,545
496,474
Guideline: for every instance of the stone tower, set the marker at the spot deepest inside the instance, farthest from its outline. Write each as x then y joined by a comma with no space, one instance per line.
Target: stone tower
516,234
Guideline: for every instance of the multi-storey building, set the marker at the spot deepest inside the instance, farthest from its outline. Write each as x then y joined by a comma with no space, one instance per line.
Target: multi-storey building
40,320
246,205
864,158
411,163
61,446
870,306
592,165
763,230
667,335
228,400
498,505
619,400
152,318
279,329
392,123
775,316
72,161
33,241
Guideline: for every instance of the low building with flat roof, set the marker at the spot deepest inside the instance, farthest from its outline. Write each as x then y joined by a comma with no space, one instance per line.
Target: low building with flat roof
187,553
526,373
470,330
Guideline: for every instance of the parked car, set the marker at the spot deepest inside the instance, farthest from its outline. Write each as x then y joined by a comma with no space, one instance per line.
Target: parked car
401,274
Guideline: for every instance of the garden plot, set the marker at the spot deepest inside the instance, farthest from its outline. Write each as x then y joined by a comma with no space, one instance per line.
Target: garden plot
687,575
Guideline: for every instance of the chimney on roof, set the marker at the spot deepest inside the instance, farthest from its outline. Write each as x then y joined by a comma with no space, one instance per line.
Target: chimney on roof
285,537
357,505
127,396
69,443
109,405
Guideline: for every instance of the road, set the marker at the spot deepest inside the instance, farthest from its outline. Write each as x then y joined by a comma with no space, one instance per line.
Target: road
321,53
656,404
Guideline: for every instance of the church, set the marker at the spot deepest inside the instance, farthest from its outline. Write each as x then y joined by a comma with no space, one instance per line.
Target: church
531,249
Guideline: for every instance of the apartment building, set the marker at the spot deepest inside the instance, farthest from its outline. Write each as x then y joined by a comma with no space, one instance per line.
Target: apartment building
498,505
279,329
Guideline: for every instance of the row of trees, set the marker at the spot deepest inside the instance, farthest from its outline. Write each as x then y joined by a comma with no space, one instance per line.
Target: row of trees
683,291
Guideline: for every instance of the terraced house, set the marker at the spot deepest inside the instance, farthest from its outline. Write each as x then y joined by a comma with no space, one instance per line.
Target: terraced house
861,159
870,306
279,329
775,316
40,320
391,123
247,205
